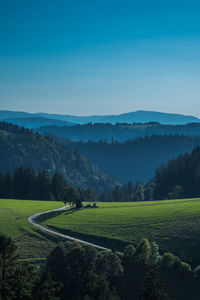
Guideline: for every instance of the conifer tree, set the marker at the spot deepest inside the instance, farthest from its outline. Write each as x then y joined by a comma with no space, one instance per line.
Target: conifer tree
153,288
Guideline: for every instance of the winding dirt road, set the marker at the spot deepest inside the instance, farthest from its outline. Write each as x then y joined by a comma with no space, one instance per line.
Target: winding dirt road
32,220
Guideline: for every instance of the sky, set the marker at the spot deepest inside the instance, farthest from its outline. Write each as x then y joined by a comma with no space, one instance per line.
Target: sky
100,57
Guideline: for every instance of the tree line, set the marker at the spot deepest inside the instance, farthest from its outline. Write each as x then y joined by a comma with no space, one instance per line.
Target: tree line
28,184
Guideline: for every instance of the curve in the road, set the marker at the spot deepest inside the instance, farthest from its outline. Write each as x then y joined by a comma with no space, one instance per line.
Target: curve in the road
32,220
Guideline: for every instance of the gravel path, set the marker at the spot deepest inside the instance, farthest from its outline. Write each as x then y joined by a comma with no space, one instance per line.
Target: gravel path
32,220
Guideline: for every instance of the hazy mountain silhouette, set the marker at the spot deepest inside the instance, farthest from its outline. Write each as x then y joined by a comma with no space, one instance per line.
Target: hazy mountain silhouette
131,117
36,122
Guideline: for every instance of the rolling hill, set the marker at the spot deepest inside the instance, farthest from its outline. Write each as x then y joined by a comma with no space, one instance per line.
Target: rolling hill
119,132
32,243
19,146
36,122
173,224
134,160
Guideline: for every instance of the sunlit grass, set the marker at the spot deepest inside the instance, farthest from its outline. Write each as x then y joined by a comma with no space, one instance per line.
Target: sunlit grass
173,224
14,223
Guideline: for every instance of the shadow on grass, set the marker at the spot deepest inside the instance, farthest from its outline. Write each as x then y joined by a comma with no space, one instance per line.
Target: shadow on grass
54,214
43,235
113,244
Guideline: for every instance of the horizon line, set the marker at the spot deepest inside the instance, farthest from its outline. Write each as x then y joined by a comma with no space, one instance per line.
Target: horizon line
99,115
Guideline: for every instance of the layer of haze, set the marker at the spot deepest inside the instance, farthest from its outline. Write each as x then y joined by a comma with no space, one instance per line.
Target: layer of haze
100,57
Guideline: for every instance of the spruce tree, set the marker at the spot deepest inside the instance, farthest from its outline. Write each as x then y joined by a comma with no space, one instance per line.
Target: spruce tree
153,287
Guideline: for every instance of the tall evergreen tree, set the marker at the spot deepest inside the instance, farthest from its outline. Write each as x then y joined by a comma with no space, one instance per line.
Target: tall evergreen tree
153,287
58,185
43,186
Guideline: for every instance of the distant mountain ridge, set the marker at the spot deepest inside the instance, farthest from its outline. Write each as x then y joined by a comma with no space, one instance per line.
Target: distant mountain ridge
118,132
139,116
36,122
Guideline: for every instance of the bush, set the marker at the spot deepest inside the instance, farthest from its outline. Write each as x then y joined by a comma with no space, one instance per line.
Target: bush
168,260
129,252
143,252
183,267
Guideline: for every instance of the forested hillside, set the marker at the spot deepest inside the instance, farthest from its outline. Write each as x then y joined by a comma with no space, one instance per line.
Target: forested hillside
21,147
120,132
134,160
179,177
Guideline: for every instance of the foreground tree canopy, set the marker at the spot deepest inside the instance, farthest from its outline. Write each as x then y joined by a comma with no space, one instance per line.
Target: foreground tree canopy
76,271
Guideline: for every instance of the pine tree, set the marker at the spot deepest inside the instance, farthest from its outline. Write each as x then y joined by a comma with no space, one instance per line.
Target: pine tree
153,288
58,184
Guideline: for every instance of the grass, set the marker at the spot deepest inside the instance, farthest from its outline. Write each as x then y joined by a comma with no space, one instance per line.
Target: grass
32,243
173,224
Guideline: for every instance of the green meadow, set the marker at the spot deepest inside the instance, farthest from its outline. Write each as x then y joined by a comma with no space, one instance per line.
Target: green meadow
173,224
32,243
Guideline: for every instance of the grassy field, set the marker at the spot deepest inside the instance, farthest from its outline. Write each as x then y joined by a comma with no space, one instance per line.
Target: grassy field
32,243
173,224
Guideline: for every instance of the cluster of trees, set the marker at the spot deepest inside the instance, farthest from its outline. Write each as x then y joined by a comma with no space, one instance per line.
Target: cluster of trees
76,271
20,281
28,184
129,192
22,147
140,272
179,178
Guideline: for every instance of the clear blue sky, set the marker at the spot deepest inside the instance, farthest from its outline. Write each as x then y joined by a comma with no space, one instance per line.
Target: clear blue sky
100,57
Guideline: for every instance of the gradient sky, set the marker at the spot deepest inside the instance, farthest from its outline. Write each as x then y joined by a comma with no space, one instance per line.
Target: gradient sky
100,57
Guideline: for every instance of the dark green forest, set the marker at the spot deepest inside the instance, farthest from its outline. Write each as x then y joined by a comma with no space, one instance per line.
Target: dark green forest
180,175
22,147
28,184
